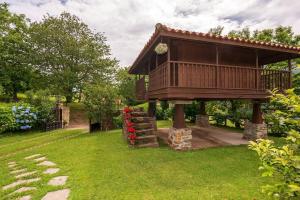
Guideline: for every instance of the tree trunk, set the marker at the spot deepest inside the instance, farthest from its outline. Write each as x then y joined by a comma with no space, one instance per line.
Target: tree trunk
15,96
69,98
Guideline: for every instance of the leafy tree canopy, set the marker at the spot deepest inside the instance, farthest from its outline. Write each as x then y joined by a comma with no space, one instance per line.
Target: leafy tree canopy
69,55
15,70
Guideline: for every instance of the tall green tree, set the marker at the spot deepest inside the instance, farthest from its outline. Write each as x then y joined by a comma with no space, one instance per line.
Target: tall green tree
217,30
70,55
244,33
126,86
15,70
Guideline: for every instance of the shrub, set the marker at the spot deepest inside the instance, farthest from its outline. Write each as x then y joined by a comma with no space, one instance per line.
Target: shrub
219,111
239,111
118,122
282,162
41,101
100,104
7,119
282,113
191,110
25,116
163,114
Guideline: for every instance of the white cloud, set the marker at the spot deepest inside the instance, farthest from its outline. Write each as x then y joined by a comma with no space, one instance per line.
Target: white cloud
128,24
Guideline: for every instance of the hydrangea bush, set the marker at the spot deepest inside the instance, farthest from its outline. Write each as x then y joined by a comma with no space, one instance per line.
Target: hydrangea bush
25,116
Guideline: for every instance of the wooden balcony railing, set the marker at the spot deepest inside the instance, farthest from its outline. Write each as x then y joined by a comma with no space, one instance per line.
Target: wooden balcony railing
199,75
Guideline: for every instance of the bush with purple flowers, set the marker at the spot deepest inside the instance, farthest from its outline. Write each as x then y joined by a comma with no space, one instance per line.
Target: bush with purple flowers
25,116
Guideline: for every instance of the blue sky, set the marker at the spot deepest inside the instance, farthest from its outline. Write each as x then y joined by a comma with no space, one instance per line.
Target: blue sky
128,24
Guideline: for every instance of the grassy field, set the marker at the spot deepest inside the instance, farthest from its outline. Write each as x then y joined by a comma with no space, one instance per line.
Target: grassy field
101,166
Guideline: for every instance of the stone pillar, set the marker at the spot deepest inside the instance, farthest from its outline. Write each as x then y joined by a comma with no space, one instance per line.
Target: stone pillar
256,128
180,137
66,115
152,108
202,120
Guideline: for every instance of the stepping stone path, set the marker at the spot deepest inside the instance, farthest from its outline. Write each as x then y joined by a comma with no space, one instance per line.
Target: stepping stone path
57,195
20,182
18,171
32,156
40,159
46,163
27,197
51,171
57,181
25,174
21,174
23,189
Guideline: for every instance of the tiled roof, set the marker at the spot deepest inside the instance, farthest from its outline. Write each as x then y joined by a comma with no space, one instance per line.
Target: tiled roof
162,28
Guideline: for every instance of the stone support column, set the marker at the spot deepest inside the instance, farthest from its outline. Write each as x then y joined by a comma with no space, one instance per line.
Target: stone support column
180,137
255,128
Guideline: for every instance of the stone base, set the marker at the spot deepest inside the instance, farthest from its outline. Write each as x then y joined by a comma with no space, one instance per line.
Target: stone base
254,131
180,139
202,120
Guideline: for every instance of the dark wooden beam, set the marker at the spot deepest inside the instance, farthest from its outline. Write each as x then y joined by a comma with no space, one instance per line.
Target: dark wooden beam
257,114
179,121
202,110
290,70
152,108
257,70
217,66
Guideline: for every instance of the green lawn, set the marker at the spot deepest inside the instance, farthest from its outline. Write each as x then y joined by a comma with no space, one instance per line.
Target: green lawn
101,166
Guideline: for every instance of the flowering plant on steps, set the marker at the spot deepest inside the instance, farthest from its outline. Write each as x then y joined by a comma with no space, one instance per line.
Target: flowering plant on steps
129,125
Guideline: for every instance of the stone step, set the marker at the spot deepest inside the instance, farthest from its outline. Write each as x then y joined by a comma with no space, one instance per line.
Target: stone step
143,125
138,114
141,119
153,144
146,137
145,130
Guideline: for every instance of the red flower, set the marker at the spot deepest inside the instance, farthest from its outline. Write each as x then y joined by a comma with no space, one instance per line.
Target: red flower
127,116
131,130
132,136
127,110
129,124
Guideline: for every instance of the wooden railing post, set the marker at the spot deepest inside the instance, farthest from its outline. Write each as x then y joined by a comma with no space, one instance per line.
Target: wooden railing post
217,66
290,72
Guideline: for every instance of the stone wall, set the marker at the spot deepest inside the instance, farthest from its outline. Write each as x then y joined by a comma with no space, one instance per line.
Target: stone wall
202,120
254,131
180,139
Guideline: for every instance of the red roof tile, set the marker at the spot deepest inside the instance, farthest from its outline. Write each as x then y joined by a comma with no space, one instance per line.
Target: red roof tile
162,28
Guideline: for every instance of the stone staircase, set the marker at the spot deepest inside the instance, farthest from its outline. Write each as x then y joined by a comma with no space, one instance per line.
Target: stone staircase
145,127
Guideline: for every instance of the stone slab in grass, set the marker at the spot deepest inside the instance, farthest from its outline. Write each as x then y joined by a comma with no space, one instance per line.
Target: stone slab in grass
23,189
46,163
20,182
32,156
27,197
59,180
13,165
40,159
57,195
18,171
25,174
51,171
